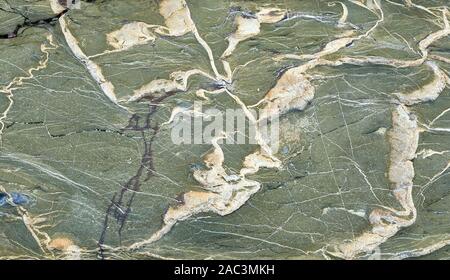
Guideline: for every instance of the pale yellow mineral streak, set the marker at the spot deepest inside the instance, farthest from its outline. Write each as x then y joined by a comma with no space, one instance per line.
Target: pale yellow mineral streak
425,250
426,153
428,92
423,47
253,162
18,81
339,43
56,7
371,5
343,19
404,139
409,3
440,58
201,93
367,60
293,91
94,70
425,43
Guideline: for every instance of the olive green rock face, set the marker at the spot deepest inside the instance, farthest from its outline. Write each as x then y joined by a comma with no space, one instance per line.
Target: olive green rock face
89,169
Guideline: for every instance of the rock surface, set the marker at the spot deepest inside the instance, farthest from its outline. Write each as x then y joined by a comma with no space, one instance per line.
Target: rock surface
90,95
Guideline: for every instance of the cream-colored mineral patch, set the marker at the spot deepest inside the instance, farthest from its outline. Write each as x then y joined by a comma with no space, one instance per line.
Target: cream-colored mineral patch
253,162
292,91
61,243
404,140
178,82
193,202
67,247
248,26
131,34
177,18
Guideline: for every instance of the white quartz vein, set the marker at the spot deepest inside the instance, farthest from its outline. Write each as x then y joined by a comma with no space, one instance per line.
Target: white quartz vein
18,81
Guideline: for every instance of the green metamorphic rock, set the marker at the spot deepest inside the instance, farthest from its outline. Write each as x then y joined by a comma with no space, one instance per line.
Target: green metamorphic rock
92,93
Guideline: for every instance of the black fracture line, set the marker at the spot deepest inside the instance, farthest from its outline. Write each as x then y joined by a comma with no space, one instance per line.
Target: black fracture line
27,23
118,208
